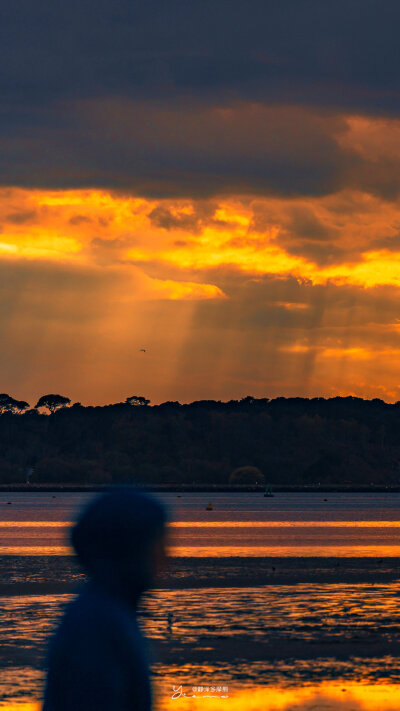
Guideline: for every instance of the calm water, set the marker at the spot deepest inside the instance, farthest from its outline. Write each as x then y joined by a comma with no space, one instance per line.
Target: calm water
239,524
272,648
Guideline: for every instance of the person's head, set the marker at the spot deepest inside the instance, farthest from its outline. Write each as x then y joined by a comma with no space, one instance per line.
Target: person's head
120,541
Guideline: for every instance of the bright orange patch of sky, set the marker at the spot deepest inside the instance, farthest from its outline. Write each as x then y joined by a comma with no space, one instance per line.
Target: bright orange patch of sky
93,227
139,251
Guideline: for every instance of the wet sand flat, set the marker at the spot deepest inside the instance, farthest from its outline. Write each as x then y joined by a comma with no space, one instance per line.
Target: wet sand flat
303,621
23,575
247,638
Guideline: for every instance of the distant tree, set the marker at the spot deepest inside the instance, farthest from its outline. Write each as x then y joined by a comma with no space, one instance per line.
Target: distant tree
293,440
248,400
246,475
136,401
10,404
20,405
4,402
53,402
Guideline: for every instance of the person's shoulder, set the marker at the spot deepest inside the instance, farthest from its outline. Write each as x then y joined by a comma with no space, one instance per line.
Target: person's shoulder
96,618
86,608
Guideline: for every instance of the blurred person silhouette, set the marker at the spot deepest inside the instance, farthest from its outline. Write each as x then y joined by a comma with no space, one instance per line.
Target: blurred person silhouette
97,658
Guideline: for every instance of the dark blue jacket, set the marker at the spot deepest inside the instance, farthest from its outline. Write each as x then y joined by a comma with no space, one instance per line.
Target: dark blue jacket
97,658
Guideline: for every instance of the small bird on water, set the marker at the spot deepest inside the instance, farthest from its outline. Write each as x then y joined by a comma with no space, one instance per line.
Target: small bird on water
170,619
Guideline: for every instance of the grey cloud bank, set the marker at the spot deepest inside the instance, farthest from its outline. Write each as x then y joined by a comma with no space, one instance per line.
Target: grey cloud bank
194,98
340,54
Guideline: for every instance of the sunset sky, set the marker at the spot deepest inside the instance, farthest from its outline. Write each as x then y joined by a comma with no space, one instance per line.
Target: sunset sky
216,182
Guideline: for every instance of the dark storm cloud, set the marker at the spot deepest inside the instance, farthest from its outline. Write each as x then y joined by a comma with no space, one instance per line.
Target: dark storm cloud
132,96
342,53
175,151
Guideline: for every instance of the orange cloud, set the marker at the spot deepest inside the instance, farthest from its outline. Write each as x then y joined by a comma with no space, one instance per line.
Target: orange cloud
273,236
61,227
265,295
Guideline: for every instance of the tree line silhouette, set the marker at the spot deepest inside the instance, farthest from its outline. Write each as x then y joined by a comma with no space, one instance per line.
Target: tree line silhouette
299,441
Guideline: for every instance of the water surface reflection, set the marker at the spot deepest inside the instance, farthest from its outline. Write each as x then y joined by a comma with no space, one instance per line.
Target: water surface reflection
334,697
351,697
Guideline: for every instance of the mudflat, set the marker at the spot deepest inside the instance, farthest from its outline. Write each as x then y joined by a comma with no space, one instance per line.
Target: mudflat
24,575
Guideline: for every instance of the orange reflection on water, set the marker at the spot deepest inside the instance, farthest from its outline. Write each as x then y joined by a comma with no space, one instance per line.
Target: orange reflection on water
35,524
339,697
36,550
284,524
316,551
225,524
344,697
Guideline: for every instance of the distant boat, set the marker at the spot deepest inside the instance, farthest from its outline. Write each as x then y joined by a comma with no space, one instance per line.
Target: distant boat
209,507
268,491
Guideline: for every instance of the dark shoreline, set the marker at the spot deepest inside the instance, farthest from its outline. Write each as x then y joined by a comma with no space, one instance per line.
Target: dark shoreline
210,488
